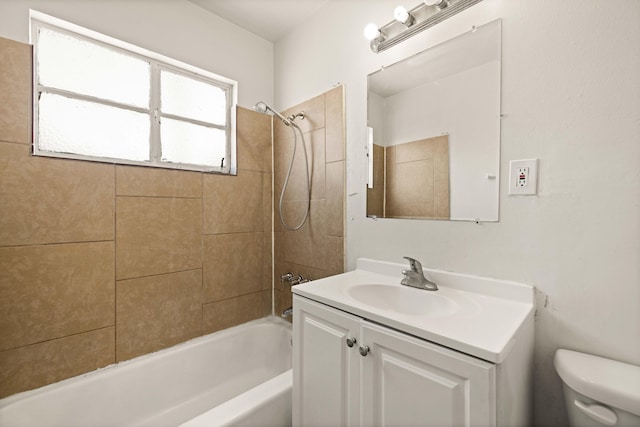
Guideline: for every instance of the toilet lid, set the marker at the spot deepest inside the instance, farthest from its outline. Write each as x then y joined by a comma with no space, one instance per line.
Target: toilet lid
608,381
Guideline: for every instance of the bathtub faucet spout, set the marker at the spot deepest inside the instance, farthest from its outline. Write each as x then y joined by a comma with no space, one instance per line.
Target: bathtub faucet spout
287,312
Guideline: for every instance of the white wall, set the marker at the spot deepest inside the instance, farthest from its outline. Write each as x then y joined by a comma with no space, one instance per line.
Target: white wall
571,95
175,28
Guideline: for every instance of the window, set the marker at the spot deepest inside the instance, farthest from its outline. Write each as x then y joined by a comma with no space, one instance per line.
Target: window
100,99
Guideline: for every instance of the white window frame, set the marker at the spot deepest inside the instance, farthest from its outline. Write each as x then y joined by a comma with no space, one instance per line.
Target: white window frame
157,63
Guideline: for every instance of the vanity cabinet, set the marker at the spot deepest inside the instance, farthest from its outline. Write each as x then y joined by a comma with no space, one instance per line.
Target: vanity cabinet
348,371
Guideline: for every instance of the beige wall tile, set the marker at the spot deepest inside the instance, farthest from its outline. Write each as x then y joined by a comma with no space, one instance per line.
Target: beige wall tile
267,201
335,198
157,235
280,270
334,116
390,155
297,245
278,258
157,312
282,148
231,312
307,246
411,182
416,150
410,210
378,165
375,202
141,181
253,140
316,141
45,200
314,116
293,214
283,299
441,205
50,291
233,265
267,260
267,303
15,87
335,255
36,365
441,159
277,224
233,204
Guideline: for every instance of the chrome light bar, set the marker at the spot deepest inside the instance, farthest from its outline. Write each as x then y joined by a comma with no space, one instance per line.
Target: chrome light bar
422,17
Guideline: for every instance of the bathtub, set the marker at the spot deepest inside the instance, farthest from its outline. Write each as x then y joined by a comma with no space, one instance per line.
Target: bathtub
237,377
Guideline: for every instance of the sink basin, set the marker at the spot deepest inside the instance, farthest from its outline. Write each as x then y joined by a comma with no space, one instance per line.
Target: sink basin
403,299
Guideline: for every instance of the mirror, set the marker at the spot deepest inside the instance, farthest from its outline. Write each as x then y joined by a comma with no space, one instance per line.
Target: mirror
434,131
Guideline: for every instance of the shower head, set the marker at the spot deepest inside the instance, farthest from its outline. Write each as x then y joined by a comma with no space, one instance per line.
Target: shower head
262,107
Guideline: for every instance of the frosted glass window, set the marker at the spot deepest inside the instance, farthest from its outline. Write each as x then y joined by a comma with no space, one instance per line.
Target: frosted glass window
76,65
101,99
193,99
69,125
184,142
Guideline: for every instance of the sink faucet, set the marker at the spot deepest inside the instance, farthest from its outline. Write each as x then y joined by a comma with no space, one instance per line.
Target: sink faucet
415,277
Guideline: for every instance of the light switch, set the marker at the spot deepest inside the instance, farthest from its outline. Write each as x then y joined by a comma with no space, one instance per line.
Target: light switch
523,177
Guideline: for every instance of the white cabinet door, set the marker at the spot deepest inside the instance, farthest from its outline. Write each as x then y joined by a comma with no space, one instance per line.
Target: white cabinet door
325,369
411,382
401,380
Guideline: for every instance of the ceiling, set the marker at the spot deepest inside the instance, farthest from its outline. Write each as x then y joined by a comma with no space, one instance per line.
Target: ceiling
269,19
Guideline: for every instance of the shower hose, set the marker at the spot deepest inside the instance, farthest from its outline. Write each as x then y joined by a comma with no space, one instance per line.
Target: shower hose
295,127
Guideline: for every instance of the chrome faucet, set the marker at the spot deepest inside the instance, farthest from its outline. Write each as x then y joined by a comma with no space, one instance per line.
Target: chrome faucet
415,277
294,279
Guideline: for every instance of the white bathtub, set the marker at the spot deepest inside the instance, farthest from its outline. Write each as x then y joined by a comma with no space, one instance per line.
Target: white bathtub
237,377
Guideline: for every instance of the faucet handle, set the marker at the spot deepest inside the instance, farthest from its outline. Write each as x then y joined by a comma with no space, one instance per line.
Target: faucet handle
286,277
415,264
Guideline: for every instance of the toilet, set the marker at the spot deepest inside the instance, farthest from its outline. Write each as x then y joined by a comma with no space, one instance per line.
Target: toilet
599,391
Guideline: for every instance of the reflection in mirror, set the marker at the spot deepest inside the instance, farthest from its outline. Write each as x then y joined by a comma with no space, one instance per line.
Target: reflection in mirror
434,131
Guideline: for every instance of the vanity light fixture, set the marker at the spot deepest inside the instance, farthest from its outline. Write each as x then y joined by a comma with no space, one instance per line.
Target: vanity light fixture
403,17
371,32
408,23
439,3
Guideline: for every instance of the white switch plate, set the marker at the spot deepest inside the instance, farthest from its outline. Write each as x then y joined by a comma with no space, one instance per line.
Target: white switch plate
523,177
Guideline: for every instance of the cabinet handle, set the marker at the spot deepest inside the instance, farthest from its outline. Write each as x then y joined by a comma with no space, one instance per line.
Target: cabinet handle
351,342
364,350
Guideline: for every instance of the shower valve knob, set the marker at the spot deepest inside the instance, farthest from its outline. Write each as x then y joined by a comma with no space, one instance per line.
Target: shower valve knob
286,277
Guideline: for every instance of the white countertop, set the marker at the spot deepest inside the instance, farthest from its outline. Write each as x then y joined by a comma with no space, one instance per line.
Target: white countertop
485,324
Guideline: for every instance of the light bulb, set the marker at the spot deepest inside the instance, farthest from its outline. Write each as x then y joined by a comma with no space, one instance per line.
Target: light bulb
401,14
371,31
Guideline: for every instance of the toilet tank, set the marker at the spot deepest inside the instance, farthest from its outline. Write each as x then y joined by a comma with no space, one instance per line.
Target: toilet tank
599,391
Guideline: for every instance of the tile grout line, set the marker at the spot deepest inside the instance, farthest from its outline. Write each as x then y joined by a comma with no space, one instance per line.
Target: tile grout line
57,243
159,274
75,334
